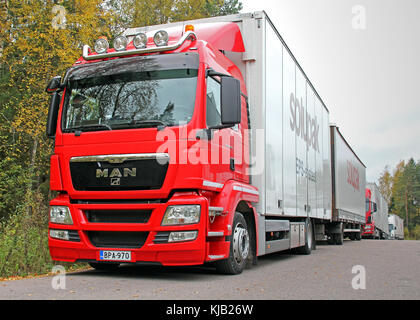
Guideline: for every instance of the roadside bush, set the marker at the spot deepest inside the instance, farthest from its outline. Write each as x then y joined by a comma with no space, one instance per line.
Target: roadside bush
24,240
416,232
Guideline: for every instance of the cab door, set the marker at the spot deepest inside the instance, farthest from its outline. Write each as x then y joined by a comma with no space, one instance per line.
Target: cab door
226,147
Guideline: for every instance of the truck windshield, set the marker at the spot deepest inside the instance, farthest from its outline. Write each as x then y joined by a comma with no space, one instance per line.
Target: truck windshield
130,100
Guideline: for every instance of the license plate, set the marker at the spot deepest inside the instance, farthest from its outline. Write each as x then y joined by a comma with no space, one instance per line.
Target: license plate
111,255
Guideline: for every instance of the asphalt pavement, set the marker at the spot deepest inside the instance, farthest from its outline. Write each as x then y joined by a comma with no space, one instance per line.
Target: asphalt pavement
358,270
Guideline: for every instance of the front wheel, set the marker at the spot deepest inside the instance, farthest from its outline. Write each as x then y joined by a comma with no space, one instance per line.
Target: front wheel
239,248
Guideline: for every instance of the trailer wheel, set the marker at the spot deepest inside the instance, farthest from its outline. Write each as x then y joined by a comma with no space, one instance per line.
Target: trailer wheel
310,243
339,237
240,248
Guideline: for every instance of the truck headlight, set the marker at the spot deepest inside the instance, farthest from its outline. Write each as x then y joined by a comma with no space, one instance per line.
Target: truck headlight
60,215
186,214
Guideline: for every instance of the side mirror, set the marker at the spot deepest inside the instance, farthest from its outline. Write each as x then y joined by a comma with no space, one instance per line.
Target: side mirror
53,115
54,85
374,207
230,101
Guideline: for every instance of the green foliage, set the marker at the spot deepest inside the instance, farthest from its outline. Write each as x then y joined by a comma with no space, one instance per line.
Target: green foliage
139,13
416,232
403,192
12,177
24,240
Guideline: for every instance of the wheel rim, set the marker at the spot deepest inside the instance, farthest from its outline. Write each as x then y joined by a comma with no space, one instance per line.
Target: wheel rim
240,243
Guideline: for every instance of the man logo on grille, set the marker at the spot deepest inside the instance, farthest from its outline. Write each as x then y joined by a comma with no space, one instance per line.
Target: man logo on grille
115,181
126,173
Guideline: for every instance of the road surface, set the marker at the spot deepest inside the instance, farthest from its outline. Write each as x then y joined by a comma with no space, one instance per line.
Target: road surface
367,269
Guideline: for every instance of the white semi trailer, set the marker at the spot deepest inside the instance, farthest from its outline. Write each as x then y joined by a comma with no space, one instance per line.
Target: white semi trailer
396,227
290,140
348,191
296,169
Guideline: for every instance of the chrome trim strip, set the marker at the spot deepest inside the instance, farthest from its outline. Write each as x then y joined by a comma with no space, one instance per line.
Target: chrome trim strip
186,36
215,234
121,158
215,257
242,189
212,184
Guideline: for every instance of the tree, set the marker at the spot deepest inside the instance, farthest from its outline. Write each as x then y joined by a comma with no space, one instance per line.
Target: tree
139,13
406,192
385,185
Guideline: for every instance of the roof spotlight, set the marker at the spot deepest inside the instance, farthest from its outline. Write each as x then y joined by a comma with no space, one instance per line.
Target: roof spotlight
101,45
140,41
120,43
161,38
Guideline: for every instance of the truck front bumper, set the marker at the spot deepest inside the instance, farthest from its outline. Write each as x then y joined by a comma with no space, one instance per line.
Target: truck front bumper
148,240
368,233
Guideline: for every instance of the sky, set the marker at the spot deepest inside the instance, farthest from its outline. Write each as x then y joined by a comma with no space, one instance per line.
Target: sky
363,57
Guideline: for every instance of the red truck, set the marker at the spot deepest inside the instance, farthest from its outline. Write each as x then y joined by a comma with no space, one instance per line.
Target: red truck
369,228
186,143
376,214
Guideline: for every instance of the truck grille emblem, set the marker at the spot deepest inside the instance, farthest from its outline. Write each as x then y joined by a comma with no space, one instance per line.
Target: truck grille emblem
115,181
116,174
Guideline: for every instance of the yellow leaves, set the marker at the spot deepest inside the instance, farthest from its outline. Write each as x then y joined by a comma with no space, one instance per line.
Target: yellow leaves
34,51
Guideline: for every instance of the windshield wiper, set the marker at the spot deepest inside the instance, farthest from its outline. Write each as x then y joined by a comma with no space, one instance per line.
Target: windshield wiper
143,123
89,127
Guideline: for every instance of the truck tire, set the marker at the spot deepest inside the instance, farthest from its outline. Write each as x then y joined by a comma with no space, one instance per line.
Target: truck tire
310,243
240,248
339,237
103,266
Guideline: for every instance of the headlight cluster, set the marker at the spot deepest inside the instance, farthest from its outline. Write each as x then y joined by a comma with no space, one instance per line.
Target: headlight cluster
60,215
186,214
120,43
